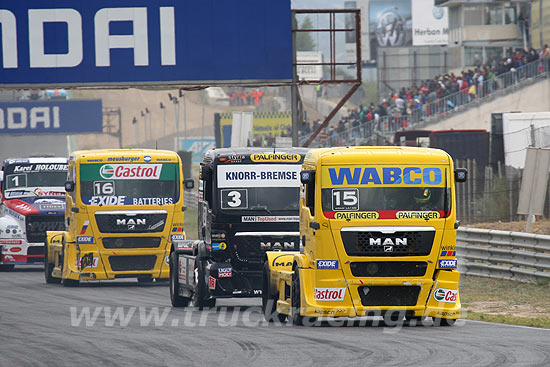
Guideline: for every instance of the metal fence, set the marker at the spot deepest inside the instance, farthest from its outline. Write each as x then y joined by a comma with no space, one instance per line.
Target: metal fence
504,255
357,133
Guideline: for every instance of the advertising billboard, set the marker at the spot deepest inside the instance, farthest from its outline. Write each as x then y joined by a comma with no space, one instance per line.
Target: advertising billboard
51,117
197,145
143,42
309,72
430,24
390,24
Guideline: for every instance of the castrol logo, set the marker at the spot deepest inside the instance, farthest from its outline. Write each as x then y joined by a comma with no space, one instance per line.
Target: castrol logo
330,294
445,295
130,171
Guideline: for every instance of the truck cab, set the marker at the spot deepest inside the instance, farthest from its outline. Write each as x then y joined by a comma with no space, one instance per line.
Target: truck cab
124,212
248,205
32,198
378,228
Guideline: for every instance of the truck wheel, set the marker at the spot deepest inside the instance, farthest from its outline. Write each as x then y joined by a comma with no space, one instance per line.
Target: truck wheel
269,301
7,267
71,283
297,318
48,268
175,298
200,290
443,322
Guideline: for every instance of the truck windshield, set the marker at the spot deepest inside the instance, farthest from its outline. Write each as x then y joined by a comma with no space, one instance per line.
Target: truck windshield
265,199
129,184
35,180
384,198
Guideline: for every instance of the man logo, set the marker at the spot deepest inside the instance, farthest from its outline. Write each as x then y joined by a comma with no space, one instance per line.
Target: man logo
388,248
107,171
277,246
130,222
388,242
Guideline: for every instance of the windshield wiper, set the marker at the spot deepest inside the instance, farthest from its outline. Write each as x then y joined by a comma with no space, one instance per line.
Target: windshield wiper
261,207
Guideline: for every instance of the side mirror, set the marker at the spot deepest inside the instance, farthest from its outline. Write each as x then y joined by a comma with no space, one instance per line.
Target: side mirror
461,174
189,183
69,186
307,176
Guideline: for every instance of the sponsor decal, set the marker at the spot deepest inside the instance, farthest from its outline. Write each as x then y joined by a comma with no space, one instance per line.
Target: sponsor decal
268,219
218,236
23,207
11,242
327,264
14,249
211,282
445,295
448,247
87,261
447,264
85,239
177,229
152,201
177,237
448,253
131,171
447,313
329,312
232,159
94,160
225,272
275,157
41,167
84,227
40,192
385,176
219,246
417,215
122,159
107,200
259,175
258,292
329,294
9,258
156,225
147,158
282,260
46,207
356,215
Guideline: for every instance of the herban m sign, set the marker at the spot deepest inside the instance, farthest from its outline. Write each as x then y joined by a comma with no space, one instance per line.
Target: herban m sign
143,42
41,117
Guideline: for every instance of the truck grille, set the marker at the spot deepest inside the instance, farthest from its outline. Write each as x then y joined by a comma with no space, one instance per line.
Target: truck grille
135,223
389,295
37,225
131,242
129,263
388,269
374,243
252,249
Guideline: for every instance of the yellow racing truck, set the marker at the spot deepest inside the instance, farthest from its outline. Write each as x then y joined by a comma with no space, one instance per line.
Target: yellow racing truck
123,213
378,233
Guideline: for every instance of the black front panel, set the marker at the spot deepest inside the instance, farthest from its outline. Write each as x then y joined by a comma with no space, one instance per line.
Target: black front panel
373,243
35,250
129,263
389,295
131,242
124,223
388,269
252,249
36,226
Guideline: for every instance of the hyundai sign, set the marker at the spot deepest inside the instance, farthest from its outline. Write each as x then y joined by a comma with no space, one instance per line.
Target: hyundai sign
41,117
142,42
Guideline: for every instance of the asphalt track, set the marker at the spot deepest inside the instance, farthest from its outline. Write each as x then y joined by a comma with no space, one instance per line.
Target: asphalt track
46,325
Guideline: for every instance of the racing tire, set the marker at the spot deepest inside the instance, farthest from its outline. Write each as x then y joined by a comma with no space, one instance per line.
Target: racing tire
443,322
7,267
200,291
269,301
48,268
71,283
145,279
175,298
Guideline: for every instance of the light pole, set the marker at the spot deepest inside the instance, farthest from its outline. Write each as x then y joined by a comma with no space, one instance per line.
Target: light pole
182,95
134,122
163,108
148,113
144,126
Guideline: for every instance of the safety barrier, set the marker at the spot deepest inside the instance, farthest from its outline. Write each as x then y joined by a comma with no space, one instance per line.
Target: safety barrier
502,254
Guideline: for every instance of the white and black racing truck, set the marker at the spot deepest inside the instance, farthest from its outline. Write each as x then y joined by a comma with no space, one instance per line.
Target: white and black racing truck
248,204
32,193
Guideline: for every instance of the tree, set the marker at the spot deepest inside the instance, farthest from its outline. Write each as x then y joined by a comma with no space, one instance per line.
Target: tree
304,41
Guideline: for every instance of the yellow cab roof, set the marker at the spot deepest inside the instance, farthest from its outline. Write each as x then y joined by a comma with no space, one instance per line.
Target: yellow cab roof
360,155
119,155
